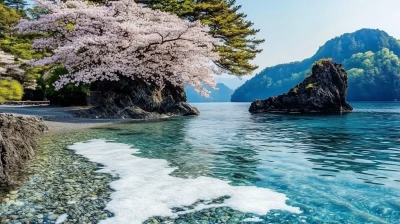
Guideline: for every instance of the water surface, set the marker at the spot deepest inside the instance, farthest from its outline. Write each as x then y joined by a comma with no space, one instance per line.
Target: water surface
342,168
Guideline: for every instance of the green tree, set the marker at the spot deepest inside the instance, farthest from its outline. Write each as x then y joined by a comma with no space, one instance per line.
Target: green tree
10,90
18,5
19,46
374,76
70,95
36,12
239,46
8,19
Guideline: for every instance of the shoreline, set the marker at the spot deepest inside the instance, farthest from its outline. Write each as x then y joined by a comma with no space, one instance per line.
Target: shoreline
62,125
58,123
55,182
62,119
59,119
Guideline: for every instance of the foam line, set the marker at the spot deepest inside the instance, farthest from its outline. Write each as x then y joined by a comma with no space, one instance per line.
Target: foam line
145,188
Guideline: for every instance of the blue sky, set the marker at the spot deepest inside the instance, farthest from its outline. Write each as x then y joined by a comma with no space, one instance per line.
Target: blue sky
295,29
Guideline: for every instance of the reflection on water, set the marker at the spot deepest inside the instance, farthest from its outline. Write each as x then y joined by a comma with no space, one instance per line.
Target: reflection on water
336,168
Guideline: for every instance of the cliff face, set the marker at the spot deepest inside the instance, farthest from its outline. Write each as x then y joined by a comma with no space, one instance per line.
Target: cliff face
324,92
17,142
129,99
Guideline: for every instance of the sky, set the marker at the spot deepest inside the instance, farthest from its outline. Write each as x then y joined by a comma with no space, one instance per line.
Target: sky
294,29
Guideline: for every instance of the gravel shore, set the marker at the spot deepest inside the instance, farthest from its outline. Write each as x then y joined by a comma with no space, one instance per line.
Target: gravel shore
58,119
73,124
57,186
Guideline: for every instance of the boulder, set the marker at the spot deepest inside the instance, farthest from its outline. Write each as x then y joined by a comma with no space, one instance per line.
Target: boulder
17,142
128,99
322,92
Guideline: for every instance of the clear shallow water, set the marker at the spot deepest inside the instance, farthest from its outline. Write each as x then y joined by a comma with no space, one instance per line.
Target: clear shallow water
145,189
335,168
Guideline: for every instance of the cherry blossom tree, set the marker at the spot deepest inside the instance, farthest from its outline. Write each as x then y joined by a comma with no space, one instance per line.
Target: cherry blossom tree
8,66
121,38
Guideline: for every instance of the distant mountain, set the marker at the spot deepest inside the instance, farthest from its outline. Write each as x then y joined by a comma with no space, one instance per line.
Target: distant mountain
222,94
370,57
232,82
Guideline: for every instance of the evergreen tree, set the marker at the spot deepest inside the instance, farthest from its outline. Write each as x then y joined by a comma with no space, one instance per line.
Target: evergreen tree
18,5
19,46
8,19
239,46
36,12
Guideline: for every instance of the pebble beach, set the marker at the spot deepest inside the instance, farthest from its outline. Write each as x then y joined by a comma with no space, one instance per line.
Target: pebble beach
57,186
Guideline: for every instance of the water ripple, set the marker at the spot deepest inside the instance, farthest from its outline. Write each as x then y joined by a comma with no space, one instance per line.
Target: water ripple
336,168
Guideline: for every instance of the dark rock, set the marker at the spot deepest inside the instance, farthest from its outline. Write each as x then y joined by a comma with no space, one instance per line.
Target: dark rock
67,98
33,95
129,99
17,142
323,92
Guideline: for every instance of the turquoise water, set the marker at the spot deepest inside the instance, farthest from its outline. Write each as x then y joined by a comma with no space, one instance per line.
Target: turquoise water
335,168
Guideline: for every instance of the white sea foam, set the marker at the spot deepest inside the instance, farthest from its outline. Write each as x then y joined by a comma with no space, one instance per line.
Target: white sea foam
61,218
146,189
254,219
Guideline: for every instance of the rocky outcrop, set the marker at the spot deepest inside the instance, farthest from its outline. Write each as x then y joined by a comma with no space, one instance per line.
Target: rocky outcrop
127,99
323,92
17,142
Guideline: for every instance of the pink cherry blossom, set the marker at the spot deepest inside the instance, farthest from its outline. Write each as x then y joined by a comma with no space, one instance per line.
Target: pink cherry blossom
8,65
122,38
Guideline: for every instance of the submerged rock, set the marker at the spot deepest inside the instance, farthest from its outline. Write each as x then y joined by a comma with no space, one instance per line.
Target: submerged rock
137,100
17,142
323,92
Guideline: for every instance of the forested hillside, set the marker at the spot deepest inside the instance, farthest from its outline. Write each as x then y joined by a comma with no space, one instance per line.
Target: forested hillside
370,57
373,76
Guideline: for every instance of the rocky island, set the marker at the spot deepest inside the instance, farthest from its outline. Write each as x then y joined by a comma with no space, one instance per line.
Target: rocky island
324,91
